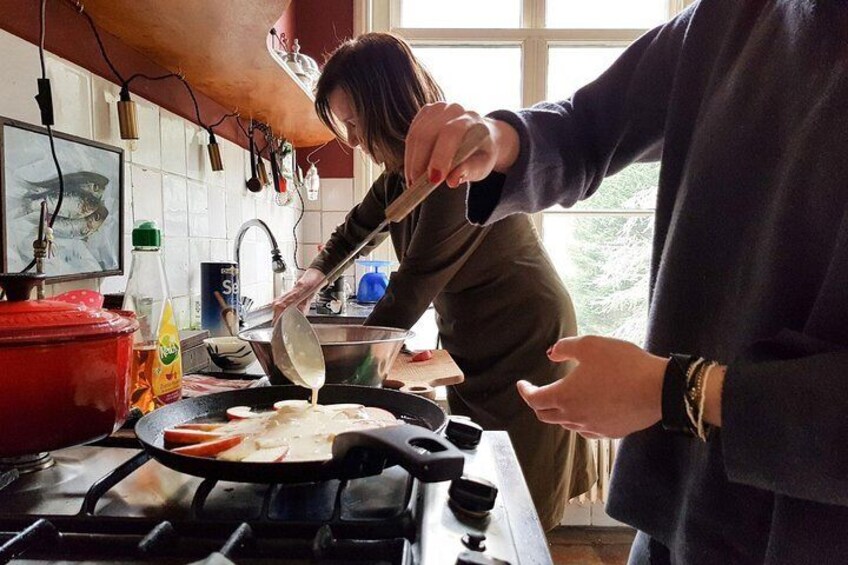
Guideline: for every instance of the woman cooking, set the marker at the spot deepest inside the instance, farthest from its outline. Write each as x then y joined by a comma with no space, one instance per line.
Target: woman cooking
498,300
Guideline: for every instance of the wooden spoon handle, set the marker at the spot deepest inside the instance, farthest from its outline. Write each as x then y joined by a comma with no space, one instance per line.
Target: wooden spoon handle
422,187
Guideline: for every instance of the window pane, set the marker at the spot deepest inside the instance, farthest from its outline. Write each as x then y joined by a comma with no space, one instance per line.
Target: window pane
604,262
460,13
634,188
481,78
604,14
569,68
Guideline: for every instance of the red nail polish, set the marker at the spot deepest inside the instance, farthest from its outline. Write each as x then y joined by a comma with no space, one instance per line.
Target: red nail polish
435,176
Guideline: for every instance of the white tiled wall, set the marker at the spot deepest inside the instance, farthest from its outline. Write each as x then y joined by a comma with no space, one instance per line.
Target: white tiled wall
167,178
336,198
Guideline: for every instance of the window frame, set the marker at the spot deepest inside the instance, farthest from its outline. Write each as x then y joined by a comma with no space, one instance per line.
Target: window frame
531,36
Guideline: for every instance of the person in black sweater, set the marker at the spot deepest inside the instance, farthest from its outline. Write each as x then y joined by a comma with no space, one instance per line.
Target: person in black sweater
736,411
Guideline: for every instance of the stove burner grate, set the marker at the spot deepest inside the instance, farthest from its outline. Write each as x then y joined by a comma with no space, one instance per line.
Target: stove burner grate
353,527
87,539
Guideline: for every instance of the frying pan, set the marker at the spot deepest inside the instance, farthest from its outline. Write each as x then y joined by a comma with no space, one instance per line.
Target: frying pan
415,446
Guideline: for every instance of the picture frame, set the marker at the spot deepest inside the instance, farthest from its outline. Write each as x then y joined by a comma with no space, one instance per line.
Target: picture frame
89,229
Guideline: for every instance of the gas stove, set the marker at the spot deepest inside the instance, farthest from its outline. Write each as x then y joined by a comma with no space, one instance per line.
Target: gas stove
110,503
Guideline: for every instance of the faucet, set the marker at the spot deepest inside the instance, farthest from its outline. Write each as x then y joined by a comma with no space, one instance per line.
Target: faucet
277,263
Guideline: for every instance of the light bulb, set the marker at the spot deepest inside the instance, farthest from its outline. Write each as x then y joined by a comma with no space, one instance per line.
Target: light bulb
214,153
127,115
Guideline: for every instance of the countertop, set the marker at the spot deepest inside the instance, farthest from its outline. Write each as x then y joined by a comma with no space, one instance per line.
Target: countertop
355,313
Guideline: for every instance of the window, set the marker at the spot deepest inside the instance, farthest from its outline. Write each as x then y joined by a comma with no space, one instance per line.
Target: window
490,54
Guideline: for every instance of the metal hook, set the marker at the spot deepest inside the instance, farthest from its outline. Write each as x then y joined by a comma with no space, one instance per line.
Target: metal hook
314,151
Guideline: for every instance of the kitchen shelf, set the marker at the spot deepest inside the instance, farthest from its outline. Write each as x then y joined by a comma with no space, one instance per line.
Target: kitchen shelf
222,47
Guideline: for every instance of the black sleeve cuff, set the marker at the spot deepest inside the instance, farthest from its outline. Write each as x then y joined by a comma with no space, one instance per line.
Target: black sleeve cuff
483,198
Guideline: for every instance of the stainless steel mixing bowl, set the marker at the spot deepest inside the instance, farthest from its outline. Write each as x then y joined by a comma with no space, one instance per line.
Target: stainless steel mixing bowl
361,355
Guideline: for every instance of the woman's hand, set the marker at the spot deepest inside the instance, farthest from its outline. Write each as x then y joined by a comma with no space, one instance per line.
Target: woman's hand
435,135
615,389
309,279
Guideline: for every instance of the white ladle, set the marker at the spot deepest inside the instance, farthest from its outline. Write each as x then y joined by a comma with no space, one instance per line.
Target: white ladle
297,352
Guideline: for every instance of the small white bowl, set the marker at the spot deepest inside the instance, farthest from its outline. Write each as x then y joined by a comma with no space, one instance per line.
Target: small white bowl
230,353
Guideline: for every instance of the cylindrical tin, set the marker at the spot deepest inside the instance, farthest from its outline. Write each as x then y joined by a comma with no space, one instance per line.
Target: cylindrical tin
219,297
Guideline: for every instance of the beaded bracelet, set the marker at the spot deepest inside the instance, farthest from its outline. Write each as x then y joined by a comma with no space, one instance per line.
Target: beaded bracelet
684,394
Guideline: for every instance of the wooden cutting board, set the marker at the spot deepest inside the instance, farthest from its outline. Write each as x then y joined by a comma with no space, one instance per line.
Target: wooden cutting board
441,370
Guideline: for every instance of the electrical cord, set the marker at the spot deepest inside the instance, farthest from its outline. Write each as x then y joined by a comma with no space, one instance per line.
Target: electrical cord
125,83
61,198
114,70
224,117
46,104
297,223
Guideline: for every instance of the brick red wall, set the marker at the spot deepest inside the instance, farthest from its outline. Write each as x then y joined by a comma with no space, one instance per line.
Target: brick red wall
320,26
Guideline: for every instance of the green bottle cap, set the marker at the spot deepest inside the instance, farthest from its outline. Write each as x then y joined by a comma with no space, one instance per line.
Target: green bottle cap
146,234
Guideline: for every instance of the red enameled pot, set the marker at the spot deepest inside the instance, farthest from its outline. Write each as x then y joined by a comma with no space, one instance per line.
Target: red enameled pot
64,371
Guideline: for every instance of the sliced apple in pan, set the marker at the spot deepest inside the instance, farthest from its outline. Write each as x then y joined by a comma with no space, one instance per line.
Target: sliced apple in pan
210,448
184,436
270,455
343,407
381,415
291,404
242,413
207,427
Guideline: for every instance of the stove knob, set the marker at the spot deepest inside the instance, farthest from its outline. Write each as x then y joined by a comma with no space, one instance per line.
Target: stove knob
474,542
463,433
475,558
472,495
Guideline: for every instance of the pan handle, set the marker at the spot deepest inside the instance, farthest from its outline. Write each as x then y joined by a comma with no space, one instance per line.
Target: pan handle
426,455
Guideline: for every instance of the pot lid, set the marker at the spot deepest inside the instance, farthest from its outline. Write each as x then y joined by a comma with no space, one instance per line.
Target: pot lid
24,321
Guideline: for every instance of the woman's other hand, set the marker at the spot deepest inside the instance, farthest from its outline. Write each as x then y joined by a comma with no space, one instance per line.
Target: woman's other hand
435,135
309,279
614,390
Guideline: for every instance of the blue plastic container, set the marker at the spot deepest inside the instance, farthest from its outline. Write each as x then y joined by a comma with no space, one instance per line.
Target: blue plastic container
372,285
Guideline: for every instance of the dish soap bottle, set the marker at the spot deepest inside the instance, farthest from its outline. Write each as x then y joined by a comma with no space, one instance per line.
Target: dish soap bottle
157,365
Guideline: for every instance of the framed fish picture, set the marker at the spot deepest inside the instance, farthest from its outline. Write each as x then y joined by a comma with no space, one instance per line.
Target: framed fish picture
88,231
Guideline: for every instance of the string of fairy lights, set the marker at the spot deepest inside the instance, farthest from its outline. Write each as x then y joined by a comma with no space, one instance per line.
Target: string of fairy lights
128,111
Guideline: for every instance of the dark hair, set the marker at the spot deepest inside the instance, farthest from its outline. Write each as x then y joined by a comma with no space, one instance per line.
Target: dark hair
387,87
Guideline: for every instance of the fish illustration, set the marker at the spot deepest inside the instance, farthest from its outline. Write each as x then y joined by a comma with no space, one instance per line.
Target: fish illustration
83,195
76,228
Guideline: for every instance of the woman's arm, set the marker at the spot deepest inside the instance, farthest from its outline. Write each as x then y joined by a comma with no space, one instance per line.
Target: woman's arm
360,221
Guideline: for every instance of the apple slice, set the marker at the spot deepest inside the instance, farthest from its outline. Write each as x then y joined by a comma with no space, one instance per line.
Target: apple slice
209,427
421,356
187,436
242,413
343,407
271,455
209,448
290,404
272,441
238,451
381,415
